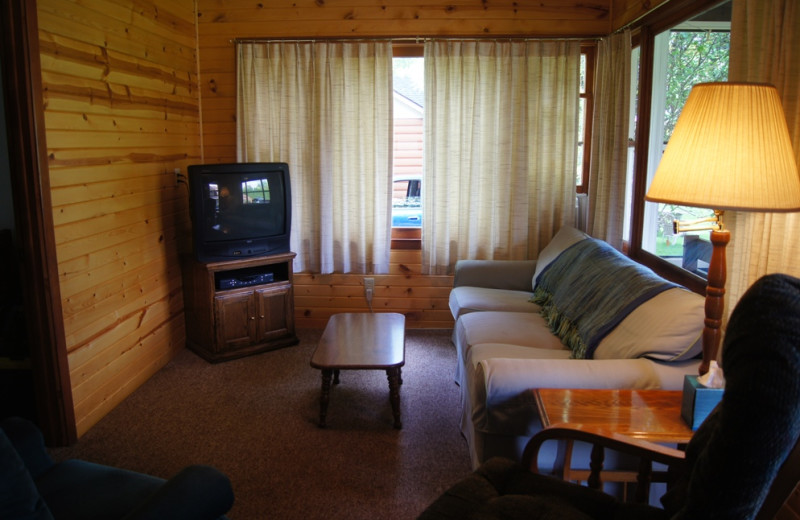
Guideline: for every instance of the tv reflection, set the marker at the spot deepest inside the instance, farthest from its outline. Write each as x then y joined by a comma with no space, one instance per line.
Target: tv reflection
230,213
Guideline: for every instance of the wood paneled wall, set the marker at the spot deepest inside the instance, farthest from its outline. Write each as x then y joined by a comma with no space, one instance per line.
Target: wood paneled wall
222,21
423,299
122,113
130,96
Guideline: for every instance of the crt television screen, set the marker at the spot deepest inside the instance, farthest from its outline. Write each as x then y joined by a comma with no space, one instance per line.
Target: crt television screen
243,206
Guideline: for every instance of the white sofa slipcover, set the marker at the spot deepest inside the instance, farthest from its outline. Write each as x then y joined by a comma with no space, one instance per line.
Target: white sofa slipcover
505,348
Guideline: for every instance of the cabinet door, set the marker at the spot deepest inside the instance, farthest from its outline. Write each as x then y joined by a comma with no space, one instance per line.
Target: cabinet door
235,319
275,311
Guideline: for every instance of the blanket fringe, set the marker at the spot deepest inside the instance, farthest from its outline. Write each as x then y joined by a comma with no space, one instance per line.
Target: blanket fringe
561,325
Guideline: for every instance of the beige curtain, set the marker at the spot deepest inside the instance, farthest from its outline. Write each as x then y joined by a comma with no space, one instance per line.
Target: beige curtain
325,108
609,155
765,47
500,149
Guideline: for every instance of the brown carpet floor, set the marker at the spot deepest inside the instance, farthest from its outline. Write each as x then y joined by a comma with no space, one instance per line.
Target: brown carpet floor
255,419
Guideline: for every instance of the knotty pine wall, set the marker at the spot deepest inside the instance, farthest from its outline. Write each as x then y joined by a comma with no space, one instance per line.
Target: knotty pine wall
134,89
121,114
423,299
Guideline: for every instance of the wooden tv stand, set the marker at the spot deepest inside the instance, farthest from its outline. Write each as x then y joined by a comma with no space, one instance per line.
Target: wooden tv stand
241,307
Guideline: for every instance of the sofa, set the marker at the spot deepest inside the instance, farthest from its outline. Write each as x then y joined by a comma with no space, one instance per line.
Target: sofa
34,486
581,315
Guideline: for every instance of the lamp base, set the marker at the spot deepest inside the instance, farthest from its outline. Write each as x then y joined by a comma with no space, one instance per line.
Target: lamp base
715,298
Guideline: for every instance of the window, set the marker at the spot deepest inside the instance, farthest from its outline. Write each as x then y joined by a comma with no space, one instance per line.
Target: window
632,129
677,58
685,55
255,192
409,92
408,77
585,118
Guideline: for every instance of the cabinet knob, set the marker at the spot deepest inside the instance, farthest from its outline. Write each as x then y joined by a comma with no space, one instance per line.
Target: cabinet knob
252,317
262,316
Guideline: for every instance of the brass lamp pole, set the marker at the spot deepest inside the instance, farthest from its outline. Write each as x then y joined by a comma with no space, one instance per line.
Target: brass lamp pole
715,288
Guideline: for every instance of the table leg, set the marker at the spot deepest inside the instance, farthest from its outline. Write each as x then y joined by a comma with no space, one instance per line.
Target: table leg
393,375
336,377
563,460
324,397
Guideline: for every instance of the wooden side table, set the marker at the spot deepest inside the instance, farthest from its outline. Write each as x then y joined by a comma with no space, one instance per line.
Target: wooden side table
650,415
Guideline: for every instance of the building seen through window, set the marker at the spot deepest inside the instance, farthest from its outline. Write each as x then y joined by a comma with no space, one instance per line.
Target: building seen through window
409,98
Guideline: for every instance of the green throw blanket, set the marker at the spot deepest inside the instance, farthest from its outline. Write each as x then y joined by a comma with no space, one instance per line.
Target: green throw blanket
589,289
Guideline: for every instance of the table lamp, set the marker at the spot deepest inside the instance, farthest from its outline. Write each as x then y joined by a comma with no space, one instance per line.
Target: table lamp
730,150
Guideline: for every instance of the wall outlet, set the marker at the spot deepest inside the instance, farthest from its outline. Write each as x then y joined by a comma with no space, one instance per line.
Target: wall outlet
369,288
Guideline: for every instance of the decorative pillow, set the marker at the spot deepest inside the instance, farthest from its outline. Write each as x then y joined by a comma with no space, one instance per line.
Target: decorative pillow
565,237
667,327
19,498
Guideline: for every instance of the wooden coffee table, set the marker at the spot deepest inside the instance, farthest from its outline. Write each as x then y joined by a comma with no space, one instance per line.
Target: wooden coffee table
361,341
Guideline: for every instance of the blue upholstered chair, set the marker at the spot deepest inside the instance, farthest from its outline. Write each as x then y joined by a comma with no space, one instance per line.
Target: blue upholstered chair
33,486
742,463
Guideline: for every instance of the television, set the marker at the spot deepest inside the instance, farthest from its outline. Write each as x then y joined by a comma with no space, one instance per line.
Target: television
239,210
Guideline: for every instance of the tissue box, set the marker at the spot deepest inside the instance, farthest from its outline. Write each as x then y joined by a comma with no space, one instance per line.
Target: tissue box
698,401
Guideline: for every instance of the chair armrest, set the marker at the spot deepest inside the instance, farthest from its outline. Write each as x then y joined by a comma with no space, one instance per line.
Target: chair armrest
196,492
515,275
603,438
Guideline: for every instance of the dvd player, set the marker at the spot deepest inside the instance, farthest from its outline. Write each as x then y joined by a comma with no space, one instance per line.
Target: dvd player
245,281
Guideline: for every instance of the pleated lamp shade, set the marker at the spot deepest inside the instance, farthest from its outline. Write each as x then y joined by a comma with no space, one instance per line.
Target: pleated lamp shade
730,150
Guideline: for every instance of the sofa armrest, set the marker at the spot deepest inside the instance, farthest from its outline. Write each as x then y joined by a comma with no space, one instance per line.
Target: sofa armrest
502,388
515,275
196,492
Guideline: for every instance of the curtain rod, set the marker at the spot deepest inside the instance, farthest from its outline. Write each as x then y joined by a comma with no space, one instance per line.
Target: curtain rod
407,39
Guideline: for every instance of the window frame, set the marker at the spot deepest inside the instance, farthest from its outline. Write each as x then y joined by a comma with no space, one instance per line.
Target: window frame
590,51
406,238
651,25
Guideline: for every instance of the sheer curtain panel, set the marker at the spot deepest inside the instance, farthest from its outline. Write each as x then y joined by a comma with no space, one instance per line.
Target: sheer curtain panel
325,108
765,48
501,127
609,161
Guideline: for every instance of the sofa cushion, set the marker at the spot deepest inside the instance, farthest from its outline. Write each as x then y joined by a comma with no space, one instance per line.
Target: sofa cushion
470,299
526,329
668,327
565,237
